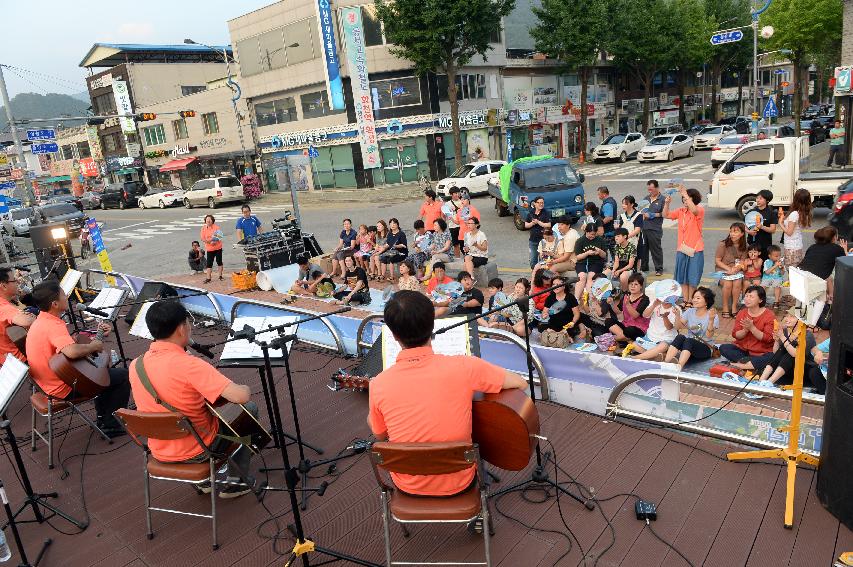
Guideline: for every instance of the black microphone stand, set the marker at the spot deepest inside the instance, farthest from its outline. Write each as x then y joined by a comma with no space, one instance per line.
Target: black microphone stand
540,474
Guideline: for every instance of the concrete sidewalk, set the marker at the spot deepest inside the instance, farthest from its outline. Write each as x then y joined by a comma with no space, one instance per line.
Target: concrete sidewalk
386,194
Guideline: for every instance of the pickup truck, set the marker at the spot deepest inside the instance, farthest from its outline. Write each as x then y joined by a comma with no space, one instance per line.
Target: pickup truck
778,164
527,178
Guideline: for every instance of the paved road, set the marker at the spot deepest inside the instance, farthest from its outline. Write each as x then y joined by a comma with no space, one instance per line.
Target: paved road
160,239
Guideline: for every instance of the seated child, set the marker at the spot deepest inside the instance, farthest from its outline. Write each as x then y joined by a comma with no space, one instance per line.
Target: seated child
663,316
774,273
753,269
597,319
624,258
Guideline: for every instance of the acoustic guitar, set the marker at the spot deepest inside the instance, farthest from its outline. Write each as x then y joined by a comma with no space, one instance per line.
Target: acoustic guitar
240,425
503,424
87,376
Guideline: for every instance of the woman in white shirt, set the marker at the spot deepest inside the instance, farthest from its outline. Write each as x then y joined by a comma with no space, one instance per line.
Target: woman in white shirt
476,247
799,217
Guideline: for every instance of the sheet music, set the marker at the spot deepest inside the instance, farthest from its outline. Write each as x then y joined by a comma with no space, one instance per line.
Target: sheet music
454,342
70,280
140,327
244,349
109,299
12,373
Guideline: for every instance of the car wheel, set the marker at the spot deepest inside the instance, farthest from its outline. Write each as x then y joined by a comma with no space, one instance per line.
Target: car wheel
501,209
744,205
691,152
518,221
103,206
187,204
122,205
211,204
141,205
162,204
623,157
670,156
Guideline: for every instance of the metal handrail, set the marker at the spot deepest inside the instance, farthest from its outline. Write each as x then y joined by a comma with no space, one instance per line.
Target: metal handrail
119,275
301,311
614,410
542,381
202,293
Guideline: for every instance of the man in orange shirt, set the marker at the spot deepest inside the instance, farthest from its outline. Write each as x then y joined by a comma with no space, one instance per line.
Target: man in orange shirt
184,383
49,335
430,209
11,314
426,397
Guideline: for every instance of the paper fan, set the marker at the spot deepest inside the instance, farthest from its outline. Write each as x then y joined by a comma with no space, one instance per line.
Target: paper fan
643,205
601,289
752,219
448,209
501,299
668,291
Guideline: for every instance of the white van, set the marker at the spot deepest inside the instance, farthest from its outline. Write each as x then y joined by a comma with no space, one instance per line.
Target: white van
778,164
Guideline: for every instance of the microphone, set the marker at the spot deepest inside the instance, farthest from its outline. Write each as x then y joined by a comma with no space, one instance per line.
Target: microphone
203,350
93,310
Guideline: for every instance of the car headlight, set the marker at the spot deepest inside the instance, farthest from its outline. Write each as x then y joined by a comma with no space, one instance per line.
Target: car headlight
578,199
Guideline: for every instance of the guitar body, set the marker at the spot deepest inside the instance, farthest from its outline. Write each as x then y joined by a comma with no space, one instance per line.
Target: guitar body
503,426
238,422
87,376
18,335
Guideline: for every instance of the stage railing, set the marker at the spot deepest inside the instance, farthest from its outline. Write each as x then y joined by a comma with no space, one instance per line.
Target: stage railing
124,279
614,410
541,377
339,343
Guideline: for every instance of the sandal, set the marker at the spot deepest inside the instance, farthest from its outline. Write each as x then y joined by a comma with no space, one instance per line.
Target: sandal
221,278
726,315
206,281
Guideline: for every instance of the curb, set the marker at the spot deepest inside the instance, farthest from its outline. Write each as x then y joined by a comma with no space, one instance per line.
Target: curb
399,193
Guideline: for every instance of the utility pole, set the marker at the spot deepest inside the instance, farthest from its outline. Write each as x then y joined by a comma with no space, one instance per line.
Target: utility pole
18,147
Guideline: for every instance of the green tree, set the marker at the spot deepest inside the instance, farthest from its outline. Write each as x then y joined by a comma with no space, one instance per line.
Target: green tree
726,14
644,39
573,32
807,28
693,37
442,36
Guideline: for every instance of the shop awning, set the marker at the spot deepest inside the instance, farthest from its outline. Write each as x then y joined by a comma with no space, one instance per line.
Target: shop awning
177,164
55,179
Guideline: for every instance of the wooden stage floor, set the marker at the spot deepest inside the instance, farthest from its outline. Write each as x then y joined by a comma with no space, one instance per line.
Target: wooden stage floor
715,512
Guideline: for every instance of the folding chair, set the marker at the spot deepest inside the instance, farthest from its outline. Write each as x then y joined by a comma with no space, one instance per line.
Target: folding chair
168,426
429,459
49,407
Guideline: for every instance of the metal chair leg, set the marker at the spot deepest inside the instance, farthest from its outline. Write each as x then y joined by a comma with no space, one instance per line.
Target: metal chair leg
91,424
484,504
49,433
213,502
33,429
150,534
386,521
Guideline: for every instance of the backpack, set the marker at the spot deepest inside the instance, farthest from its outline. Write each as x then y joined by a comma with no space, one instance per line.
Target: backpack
628,224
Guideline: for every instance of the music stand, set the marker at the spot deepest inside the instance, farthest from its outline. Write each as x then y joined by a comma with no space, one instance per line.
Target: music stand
12,375
109,300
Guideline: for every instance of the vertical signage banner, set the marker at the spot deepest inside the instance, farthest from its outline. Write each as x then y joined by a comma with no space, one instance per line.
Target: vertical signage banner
330,53
98,247
123,106
360,82
94,143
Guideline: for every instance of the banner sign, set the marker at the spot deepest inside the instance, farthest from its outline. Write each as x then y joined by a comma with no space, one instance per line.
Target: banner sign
116,163
330,53
360,82
94,143
98,246
123,107
88,167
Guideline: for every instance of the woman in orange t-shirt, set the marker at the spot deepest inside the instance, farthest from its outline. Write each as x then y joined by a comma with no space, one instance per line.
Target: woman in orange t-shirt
211,235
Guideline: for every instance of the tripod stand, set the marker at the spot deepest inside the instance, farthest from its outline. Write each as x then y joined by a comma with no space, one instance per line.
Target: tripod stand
539,475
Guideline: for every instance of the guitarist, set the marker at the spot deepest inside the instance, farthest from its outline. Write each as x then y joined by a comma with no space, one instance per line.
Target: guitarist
49,335
183,383
10,314
426,397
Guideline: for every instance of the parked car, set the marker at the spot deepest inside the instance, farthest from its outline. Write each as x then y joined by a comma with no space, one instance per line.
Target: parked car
841,216
122,195
695,129
663,130
726,148
61,212
667,148
214,191
826,121
777,131
90,200
66,199
619,146
710,135
555,180
820,133
17,221
472,176
161,197
812,111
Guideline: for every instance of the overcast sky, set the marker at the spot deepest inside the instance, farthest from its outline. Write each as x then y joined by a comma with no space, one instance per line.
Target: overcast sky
49,38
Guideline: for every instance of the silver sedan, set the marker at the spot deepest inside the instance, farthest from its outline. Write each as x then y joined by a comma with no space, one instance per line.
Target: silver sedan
667,148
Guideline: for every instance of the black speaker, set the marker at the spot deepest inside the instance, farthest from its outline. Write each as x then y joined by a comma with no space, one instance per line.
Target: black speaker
150,290
48,247
834,488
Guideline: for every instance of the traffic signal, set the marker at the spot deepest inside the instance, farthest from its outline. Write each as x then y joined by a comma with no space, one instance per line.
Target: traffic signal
187,113
95,121
145,116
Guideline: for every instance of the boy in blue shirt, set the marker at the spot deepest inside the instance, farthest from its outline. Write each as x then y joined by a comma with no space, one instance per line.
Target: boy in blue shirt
248,224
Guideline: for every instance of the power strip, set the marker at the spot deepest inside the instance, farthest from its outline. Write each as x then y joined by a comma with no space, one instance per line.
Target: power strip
646,511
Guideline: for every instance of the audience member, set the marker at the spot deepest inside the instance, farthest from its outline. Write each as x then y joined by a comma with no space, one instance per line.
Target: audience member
653,229
752,331
697,326
799,217
537,221
730,259
690,249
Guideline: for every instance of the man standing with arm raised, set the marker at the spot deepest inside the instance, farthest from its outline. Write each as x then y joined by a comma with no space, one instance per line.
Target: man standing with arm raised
419,400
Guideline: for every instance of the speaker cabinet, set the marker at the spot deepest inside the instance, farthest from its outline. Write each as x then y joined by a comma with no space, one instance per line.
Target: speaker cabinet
834,488
152,291
49,249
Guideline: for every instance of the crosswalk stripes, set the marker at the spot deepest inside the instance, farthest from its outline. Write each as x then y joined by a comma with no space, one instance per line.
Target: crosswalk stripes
179,225
644,169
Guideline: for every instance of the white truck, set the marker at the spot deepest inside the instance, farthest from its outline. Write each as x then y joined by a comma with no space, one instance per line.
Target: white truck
778,164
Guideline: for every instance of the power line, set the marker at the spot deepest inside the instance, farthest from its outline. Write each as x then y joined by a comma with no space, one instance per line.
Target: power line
52,78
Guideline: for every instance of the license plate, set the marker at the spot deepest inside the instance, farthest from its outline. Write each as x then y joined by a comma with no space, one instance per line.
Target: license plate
559,212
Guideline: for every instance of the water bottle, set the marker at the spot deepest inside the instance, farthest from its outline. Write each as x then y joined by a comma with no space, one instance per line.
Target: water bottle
5,552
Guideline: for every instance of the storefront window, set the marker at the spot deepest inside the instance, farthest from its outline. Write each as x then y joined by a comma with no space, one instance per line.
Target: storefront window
276,111
392,93
334,168
316,104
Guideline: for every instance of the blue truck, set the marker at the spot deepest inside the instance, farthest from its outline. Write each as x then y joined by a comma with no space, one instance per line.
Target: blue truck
527,178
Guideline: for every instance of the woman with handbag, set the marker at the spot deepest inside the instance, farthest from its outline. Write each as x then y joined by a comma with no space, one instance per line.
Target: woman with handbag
559,317
698,326
690,257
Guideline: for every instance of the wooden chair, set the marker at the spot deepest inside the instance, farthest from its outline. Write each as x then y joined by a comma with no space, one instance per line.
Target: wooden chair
49,407
429,459
168,426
